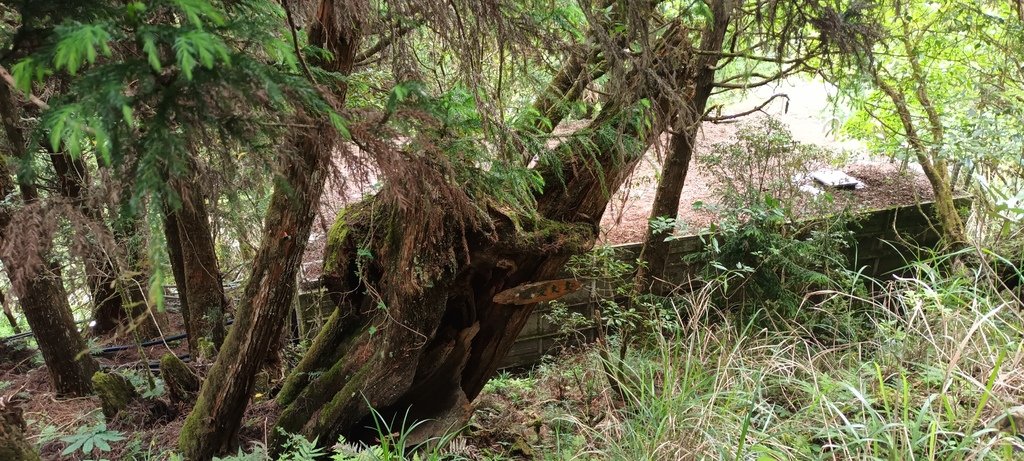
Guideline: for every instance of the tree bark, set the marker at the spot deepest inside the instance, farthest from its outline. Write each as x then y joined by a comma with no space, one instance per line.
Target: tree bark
426,350
654,254
100,272
42,295
205,305
14,442
9,314
177,260
213,424
131,239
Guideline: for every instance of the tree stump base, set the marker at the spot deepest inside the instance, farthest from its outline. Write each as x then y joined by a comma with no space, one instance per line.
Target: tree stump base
182,384
115,392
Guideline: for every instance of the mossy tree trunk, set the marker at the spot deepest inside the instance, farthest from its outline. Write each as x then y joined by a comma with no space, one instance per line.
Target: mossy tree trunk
925,135
654,254
115,392
42,295
213,424
428,347
14,442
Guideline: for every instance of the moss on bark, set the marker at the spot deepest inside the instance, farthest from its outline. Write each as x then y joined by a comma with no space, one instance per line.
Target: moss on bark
115,392
14,445
182,384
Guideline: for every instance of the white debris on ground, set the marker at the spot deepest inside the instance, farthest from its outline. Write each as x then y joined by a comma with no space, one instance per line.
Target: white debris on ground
836,179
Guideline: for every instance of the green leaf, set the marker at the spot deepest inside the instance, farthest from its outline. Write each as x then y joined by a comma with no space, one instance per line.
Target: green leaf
128,115
25,72
199,47
196,10
152,55
78,45
340,124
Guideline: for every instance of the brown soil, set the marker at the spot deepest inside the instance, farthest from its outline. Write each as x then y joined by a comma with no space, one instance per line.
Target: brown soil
625,221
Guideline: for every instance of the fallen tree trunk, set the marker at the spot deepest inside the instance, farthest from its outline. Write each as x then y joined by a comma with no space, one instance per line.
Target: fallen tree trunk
416,332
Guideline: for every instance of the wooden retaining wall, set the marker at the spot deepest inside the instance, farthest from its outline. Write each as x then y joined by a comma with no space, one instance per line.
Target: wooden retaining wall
885,240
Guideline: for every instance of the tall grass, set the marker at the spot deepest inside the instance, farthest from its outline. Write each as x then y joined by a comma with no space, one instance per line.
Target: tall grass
934,375
932,368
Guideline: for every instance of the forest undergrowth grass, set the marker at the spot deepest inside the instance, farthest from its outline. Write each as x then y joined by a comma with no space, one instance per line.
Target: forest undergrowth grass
936,374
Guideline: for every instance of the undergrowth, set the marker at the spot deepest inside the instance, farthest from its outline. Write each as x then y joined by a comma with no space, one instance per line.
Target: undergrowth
933,368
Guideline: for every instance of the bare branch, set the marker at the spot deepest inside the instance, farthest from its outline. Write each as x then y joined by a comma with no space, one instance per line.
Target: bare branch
295,42
9,79
363,57
759,108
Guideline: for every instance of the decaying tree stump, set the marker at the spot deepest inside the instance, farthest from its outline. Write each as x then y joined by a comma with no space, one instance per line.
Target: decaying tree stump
182,384
115,392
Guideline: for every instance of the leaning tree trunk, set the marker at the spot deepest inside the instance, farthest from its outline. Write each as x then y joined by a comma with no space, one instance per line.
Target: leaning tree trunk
422,343
194,259
213,424
42,295
654,254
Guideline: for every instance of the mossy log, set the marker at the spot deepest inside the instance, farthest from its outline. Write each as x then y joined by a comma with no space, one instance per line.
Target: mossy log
182,384
115,392
14,445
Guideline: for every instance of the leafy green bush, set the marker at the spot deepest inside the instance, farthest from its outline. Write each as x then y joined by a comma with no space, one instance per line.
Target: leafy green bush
768,260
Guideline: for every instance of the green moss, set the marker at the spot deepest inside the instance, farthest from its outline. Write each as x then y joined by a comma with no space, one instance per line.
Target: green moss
336,243
115,392
337,237
333,410
14,445
549,236
182,384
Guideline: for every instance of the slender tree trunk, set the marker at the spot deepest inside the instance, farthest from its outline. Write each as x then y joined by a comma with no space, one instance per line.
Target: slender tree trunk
213,424
427,350
654,254
9,314
100,272
177,261
134,280
202,280
42,295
